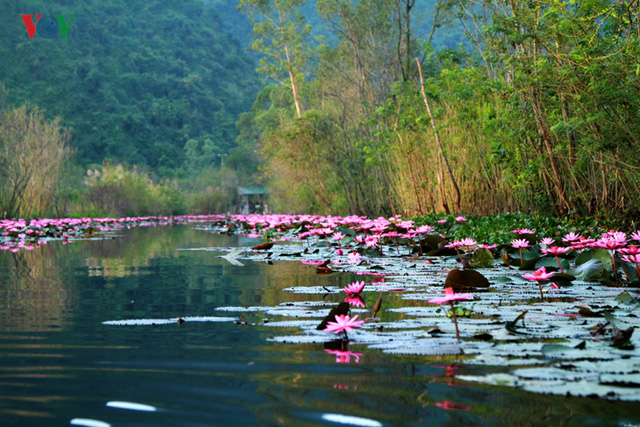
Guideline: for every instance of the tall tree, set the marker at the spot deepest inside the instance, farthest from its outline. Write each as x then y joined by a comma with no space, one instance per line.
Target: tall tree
280,33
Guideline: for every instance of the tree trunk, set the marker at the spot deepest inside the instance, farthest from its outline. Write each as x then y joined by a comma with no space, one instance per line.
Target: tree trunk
456,189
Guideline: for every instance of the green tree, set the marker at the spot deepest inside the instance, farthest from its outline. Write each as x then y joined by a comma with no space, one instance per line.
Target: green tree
127,91
281,36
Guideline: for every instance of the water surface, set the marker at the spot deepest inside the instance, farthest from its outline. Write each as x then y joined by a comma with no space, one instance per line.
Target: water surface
61,365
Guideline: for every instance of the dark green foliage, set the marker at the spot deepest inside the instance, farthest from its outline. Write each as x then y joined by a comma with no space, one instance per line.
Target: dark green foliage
133,80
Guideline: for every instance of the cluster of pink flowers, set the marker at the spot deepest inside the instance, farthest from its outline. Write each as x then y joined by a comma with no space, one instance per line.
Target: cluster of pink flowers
17,234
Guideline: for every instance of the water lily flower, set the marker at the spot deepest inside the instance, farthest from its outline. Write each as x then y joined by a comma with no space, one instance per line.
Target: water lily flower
407,225
519,243
634,258
467,243
631,250
582,242
540,275
354,258
337,236
547,241
425,229
619,236
488,247
612,241
636,236
555,251
343,323
371,241
450,297
571,237
354,288
523,231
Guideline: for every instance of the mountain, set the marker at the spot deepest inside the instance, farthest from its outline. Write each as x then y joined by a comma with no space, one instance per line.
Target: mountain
133,80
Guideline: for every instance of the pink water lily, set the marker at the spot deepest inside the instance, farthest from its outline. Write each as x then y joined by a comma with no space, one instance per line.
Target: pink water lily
634,257
519,243
571,237
371,241
354,258
612,241
343,323
540,275
337,236
423,229
547,241
450,297
467,243
582,243
555,251
354,288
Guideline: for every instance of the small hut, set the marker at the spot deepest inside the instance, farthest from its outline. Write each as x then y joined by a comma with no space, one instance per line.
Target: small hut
253,200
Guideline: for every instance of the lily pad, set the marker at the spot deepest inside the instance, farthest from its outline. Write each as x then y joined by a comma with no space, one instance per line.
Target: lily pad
589,270
482,258
601,254
465,279
550,262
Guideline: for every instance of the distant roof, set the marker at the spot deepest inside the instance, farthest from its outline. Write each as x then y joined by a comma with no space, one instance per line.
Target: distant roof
252,190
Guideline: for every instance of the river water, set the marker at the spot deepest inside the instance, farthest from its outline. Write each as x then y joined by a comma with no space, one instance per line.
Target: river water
61,364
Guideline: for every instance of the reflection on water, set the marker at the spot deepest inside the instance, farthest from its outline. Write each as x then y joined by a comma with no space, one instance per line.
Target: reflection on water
61,365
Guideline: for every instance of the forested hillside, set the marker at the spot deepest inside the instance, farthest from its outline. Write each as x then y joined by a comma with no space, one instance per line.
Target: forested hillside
133,80
537,112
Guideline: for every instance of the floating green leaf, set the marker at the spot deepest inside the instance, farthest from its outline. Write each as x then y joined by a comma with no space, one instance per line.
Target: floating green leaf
589,270
482,258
